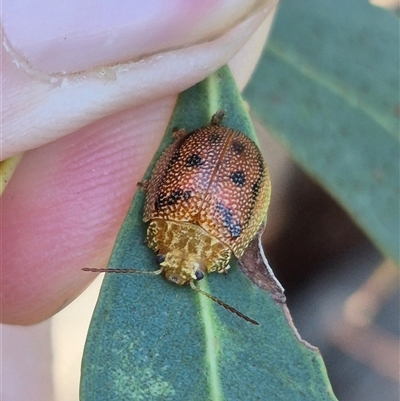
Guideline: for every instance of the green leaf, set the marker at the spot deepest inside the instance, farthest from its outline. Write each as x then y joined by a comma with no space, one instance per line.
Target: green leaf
328,88
7,169
152,340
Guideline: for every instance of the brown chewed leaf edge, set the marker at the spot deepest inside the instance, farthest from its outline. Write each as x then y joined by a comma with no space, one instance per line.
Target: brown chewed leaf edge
255,266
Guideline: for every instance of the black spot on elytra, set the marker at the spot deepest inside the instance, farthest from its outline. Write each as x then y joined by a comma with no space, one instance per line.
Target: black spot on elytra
214,138
260,162
238,178
234,228
194,160
177,196
174,197
175,157
163,200
237,147
255,188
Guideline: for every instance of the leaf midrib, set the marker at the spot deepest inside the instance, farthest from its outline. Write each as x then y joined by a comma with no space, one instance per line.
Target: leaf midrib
211,357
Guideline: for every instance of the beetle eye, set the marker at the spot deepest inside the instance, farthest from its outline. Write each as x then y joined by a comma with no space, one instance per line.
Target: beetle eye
199,274
160,258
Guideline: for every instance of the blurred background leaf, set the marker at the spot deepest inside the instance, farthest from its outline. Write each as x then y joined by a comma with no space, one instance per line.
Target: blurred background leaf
327,87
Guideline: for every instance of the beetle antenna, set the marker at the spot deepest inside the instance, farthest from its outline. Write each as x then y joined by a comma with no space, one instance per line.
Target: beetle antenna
126,271
223,304
159,271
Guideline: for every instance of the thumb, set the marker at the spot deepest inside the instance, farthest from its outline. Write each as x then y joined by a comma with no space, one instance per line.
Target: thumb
67,67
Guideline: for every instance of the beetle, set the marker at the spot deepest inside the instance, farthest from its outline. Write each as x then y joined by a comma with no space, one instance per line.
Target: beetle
206,199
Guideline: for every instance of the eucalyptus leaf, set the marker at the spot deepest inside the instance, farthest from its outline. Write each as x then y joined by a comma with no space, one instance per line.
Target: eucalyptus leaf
327,87
150,339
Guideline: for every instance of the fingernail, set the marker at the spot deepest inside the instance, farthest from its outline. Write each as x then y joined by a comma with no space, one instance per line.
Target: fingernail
66,37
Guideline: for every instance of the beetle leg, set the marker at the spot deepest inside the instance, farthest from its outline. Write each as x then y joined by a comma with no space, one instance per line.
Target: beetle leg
178,133
217,118
143,185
